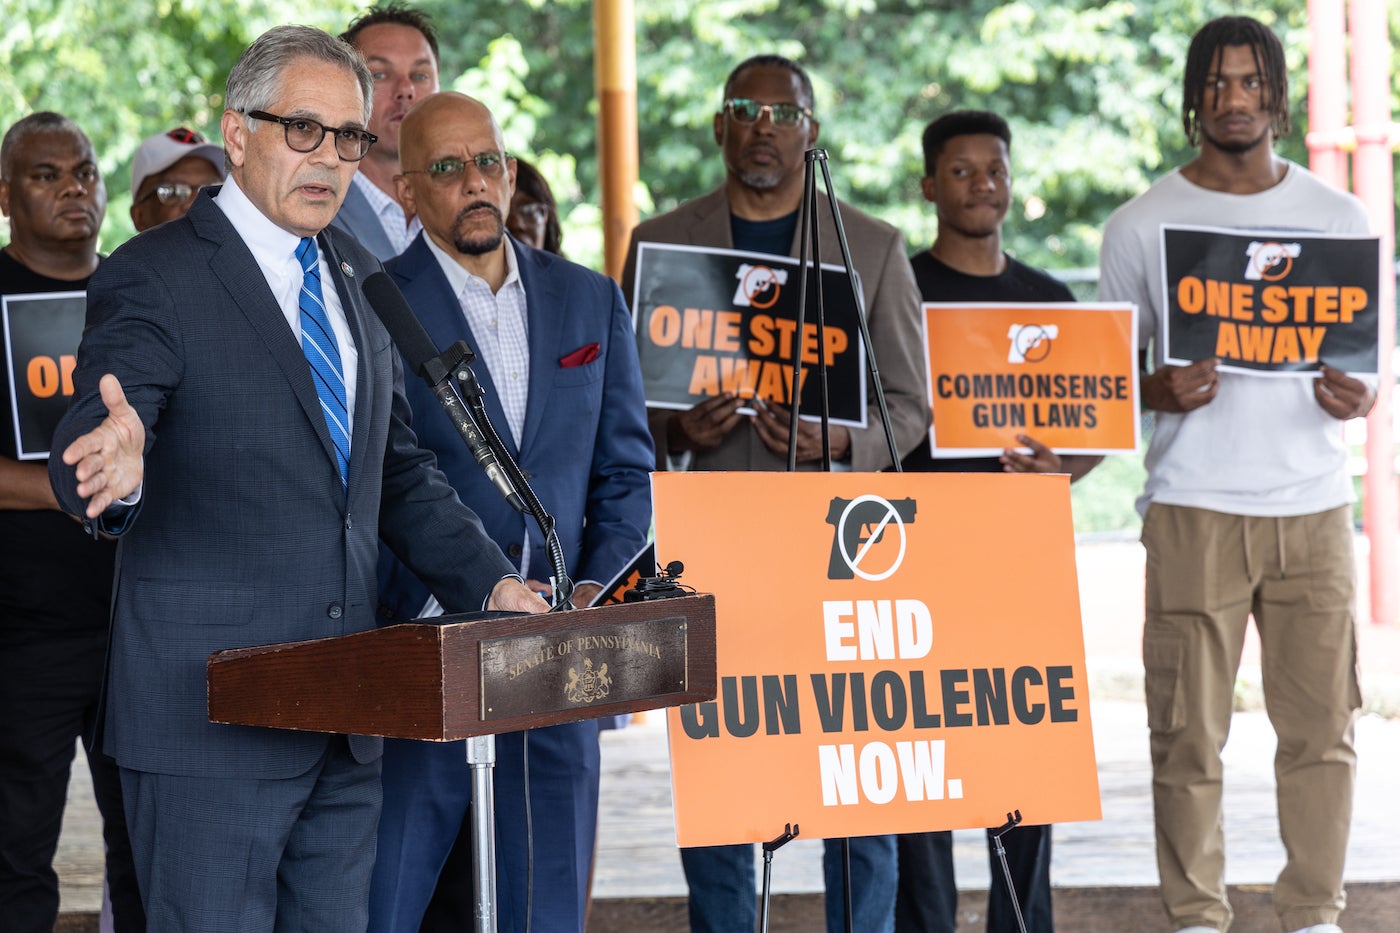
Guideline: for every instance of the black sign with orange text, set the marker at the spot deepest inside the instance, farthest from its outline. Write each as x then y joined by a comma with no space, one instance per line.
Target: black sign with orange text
1270,301
716,321
42,332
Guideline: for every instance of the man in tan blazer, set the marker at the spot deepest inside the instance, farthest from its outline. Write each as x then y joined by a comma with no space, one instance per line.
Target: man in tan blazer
764,127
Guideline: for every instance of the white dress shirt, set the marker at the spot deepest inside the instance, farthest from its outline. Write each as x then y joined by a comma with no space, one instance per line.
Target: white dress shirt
275,251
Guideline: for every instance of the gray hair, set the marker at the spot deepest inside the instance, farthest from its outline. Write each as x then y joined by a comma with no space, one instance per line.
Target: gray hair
44,121
256,78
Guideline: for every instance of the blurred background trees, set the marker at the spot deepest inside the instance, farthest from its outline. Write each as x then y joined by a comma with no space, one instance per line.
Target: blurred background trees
1091,89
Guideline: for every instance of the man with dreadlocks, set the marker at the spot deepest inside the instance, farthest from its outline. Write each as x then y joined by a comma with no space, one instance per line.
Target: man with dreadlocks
1246,509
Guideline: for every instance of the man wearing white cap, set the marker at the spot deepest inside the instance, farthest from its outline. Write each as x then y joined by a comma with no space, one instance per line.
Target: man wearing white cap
168,171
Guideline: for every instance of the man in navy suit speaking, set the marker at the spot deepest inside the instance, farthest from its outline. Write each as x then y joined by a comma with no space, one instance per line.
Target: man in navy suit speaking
563,388
239,423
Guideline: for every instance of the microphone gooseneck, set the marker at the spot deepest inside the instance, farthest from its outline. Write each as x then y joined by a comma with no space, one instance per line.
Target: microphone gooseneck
439,370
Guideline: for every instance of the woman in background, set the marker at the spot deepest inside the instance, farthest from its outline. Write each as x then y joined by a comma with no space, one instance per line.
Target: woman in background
534,217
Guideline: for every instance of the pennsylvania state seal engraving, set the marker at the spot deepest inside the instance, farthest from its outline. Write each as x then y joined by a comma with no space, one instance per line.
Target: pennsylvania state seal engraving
589,686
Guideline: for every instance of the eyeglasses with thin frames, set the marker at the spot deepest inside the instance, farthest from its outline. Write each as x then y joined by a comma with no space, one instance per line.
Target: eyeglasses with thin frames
305,135
534,211
177,193
744,110
490,164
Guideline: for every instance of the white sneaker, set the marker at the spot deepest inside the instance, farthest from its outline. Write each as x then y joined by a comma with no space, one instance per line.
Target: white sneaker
1320,928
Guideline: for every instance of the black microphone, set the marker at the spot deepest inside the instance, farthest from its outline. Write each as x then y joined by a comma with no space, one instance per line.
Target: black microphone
438,371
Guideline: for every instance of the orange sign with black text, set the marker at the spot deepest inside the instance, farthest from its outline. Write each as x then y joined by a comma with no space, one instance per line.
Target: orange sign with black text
896,653
1062,373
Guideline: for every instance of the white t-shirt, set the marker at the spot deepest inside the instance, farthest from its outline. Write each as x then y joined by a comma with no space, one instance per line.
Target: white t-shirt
1263,446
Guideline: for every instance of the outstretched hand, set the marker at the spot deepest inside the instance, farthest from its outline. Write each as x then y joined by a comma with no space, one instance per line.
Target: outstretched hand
108,459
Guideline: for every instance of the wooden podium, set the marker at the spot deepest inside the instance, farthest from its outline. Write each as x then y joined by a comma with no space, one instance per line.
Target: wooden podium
459,676
472,676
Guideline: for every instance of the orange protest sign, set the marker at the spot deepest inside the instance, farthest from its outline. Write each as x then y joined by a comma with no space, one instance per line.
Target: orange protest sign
1065,374
896,653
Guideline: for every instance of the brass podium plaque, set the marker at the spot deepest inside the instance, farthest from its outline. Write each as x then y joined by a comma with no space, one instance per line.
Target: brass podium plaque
524,675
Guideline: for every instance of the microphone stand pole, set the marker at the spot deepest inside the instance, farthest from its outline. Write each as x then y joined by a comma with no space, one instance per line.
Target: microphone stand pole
810,260
481,749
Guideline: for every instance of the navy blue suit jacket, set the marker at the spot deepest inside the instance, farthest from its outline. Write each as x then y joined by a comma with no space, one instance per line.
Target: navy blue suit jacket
243,534
585,445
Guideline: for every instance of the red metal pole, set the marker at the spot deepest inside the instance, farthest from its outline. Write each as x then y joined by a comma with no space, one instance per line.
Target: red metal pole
1373,178
1327,93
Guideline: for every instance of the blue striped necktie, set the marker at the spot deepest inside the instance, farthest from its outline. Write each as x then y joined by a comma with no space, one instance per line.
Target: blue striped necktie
323,353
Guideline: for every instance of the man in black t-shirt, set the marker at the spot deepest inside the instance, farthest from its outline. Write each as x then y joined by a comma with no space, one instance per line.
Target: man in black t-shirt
967,177
55,581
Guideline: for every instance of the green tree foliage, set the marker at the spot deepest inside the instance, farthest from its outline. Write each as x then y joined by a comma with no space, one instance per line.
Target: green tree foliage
124,69
1091,88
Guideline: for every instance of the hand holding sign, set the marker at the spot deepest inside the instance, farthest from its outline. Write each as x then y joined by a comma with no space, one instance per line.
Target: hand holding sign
109,457
1342,396
772,422
1181,388
704,426
1041,459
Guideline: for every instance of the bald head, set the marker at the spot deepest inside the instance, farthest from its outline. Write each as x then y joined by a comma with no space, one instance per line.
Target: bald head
423,126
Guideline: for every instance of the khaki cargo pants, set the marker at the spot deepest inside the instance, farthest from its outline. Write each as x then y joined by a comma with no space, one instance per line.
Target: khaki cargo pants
1207,572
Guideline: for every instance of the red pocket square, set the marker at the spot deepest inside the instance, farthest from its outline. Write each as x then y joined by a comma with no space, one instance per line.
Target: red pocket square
580,357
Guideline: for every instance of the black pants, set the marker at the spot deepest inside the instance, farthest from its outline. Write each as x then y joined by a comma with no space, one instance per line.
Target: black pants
927,901
49,690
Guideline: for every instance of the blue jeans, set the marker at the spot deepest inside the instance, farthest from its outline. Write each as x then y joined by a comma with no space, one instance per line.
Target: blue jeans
723,884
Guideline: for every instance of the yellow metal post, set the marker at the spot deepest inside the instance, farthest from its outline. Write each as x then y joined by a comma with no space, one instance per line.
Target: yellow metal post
615,57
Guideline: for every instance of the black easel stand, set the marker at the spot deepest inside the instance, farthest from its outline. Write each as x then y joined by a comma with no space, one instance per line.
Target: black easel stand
810,257
1012,821
811,268
789,833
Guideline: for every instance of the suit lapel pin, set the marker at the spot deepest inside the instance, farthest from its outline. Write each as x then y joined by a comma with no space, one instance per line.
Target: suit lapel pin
347,269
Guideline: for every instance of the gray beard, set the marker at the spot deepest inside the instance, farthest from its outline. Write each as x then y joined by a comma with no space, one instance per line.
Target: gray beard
761,179
482,243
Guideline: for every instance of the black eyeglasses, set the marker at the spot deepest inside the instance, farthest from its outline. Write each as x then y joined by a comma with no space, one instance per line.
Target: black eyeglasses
751,111
305,135
448,171
170,194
